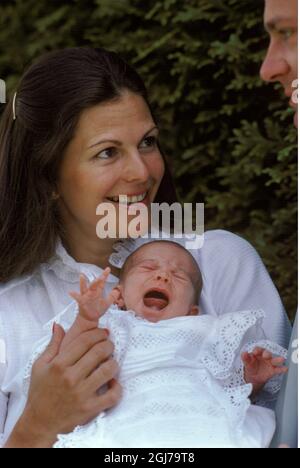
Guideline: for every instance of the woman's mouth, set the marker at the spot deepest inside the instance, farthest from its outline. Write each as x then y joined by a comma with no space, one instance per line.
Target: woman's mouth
156,299
128,200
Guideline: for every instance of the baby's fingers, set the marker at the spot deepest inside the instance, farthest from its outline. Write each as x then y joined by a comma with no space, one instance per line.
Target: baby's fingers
278,361
107,272
262,353
246,358
100,282
258,352
249,359
113,297
83,284
75,296
267,355
280,370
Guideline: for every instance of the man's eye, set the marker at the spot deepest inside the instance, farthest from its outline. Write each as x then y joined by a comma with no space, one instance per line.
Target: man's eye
106,154
149,142
286,34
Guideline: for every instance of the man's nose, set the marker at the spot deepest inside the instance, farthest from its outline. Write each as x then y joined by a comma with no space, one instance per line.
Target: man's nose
274,67
135,169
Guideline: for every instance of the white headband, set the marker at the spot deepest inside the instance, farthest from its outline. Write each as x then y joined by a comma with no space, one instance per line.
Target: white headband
124,248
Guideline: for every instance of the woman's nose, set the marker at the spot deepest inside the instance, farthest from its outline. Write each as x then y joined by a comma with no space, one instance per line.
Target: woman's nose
275,67
135,169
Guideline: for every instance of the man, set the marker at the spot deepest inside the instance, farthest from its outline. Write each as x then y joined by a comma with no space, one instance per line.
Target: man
281,65
281,62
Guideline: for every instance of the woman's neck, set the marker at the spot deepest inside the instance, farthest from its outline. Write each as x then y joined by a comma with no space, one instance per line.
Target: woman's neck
91,250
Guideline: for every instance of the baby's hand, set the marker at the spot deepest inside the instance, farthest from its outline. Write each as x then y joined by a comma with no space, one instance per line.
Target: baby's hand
260,367
91,300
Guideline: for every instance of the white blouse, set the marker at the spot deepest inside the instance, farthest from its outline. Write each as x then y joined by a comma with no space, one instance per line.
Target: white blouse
234,278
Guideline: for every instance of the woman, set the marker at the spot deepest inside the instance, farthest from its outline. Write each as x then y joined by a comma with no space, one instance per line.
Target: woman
79,132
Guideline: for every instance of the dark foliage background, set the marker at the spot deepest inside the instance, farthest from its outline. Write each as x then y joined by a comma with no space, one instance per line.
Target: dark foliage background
229,136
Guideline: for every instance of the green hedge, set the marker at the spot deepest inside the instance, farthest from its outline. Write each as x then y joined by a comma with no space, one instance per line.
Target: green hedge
229,136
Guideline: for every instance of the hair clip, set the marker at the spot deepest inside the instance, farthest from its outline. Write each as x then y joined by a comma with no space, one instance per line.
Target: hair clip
14,106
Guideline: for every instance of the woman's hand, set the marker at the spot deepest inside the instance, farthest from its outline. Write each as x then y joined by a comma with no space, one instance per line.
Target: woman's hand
64,389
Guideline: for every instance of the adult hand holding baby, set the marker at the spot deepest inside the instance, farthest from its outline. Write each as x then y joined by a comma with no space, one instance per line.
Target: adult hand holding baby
66,379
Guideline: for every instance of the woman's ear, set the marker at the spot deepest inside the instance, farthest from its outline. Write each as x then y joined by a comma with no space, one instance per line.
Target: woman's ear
195,310
120,301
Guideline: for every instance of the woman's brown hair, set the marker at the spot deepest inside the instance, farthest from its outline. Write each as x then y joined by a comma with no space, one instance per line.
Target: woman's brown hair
51,96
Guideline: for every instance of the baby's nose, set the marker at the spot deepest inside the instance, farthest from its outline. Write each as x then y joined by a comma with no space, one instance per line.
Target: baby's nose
162,276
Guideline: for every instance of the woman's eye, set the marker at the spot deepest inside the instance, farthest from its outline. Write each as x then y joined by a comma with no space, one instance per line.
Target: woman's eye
106,154
149,142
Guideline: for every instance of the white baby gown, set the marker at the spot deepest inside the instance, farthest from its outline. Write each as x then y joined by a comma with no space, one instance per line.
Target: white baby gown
182,383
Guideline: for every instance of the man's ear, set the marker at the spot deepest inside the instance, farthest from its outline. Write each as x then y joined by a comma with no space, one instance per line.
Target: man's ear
195,310
120,301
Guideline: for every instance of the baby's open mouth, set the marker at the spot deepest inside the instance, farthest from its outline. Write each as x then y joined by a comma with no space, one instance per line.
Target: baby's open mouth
156,299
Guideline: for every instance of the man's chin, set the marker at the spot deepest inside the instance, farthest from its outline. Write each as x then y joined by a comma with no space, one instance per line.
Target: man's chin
296,119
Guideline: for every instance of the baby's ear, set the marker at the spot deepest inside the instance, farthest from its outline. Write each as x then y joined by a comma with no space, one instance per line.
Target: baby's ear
120,301
195,310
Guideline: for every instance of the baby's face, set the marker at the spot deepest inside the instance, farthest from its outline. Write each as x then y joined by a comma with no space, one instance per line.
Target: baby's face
158,284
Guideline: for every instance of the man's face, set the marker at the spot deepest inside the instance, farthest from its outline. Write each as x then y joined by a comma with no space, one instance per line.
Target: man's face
281,62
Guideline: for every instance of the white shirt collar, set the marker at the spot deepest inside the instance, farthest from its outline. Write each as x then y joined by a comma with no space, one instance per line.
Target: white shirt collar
67,268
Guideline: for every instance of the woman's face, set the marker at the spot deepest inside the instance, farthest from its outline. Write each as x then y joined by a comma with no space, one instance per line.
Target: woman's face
114,152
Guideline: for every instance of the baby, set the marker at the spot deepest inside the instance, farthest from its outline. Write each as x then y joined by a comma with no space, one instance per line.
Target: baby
186,377
159,281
